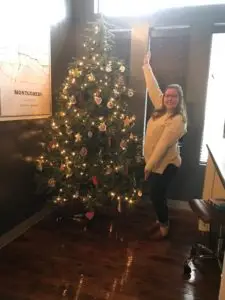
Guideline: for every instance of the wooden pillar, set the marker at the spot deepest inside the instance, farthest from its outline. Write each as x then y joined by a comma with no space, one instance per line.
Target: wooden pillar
139,44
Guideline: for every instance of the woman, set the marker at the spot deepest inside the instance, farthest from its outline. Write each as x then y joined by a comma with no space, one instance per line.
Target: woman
162,157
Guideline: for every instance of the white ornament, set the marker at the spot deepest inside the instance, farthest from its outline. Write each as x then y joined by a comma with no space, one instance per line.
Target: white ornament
98,100
122,69
110,104
90,134
108,68
130,93
116,92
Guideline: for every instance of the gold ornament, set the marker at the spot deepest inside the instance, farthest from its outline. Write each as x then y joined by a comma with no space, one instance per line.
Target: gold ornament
62,114
139,193
76,72
73,99
131,136
109,170
51,182
78,137
69,172
102,127
39,166
91,77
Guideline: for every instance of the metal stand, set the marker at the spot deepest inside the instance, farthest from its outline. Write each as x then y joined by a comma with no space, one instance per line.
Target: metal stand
201,252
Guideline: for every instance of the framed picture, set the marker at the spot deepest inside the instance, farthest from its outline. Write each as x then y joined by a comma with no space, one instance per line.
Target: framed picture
25,72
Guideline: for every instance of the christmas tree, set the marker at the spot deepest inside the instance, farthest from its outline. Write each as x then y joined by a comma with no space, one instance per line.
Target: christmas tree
89,150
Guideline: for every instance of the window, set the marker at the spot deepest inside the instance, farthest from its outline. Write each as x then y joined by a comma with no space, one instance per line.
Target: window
118,8
215,99
44,12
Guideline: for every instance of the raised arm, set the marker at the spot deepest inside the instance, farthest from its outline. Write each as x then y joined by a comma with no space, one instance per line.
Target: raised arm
154,90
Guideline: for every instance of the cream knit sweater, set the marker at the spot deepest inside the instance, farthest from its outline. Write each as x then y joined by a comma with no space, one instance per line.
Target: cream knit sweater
163,133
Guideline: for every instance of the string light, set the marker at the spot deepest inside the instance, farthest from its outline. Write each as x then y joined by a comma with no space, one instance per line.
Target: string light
83,118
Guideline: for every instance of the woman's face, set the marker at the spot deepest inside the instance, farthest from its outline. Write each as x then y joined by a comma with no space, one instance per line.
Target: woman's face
171,99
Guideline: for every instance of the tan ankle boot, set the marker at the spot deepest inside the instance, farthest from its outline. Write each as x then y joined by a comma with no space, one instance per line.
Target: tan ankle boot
164,230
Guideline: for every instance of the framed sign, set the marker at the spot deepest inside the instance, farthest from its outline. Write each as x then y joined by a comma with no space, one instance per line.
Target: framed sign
25,72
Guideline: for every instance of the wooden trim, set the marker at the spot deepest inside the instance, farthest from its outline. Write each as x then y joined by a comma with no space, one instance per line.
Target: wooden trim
21,228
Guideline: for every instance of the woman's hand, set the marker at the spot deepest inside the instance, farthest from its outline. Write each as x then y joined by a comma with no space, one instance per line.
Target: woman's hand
146,174
147,58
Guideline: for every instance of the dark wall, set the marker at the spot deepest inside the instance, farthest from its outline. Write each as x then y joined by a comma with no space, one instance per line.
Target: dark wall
20,140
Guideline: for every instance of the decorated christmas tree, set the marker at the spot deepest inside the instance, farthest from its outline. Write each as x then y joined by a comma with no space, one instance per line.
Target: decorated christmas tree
90,152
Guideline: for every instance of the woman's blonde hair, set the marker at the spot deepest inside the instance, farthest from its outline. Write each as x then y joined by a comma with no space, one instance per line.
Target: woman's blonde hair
180,108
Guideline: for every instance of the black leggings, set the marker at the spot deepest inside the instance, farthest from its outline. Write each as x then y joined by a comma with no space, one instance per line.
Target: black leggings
159,184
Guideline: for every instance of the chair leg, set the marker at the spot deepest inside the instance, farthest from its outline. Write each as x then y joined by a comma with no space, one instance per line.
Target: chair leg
191,258
187,268
198,251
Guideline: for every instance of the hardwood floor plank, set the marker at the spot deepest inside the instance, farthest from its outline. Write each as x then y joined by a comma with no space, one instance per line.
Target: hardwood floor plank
105,259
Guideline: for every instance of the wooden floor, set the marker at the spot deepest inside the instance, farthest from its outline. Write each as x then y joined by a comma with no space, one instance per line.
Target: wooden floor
108,259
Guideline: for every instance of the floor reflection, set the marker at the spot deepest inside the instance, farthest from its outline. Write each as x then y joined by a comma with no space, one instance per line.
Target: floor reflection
112,259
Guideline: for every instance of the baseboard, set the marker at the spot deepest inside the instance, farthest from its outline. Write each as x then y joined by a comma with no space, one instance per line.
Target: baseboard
21,228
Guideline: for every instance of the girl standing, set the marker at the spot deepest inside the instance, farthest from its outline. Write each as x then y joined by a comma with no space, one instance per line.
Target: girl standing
161,151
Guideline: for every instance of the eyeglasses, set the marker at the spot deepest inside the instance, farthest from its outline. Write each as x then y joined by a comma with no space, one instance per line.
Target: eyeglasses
171,96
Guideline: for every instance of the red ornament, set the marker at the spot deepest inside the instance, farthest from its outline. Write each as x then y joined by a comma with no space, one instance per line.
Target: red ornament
62,167
90,215
52,145
95,180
